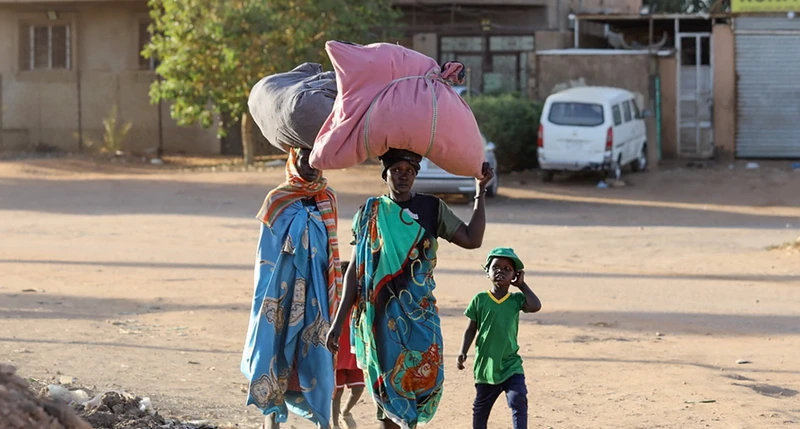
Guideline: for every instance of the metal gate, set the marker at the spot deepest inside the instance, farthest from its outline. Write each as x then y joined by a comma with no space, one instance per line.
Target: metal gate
695,95
768,88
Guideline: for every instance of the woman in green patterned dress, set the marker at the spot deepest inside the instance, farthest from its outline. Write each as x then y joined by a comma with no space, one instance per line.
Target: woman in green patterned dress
396,333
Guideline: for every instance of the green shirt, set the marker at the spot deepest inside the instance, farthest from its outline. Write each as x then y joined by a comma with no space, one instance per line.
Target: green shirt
496,348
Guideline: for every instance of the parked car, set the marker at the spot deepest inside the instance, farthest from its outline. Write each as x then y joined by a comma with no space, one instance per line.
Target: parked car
592,128
462,90
433,180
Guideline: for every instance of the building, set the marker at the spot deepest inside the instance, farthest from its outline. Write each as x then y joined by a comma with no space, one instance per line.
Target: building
494,39
680,69
722,84
64,65
727,86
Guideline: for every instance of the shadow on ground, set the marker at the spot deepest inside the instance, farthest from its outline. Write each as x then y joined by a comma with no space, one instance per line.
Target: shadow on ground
168,197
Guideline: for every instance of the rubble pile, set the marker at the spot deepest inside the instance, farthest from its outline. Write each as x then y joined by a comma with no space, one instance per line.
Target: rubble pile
60,407
20,408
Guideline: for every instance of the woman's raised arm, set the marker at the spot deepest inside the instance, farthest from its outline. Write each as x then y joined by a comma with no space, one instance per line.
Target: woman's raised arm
470,236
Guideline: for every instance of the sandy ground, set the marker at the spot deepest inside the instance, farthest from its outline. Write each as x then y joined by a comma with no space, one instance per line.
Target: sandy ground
141,279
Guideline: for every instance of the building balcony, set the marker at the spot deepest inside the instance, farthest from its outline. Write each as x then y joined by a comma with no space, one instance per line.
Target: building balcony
605,7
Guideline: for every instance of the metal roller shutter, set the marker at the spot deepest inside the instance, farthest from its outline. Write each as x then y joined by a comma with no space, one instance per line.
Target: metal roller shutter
768,89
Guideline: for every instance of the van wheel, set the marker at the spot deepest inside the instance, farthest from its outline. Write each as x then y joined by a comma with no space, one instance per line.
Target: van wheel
548,176
641,162
615,172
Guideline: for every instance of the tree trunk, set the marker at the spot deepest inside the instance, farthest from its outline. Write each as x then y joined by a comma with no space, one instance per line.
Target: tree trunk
248,139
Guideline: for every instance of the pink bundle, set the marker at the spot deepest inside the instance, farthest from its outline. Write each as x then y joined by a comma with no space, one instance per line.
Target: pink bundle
393,97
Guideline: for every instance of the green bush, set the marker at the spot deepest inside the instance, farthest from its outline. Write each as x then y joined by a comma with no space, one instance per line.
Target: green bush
511,122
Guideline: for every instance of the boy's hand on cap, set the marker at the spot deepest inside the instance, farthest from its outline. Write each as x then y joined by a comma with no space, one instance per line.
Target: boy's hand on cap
520,279
461,359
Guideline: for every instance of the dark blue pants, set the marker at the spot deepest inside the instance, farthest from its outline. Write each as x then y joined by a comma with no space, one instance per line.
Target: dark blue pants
516,395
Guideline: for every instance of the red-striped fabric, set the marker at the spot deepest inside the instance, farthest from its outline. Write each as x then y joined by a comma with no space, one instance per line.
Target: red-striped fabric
296,188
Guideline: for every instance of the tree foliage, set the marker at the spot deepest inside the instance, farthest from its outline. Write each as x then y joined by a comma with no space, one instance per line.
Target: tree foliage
511,122
211,52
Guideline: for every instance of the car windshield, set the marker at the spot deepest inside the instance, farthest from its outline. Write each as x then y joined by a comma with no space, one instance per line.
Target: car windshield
576,114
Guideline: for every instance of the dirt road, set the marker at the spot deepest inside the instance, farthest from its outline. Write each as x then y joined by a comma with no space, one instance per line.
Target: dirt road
141,279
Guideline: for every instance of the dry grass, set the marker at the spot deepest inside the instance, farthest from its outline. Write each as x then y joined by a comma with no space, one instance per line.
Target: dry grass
791,246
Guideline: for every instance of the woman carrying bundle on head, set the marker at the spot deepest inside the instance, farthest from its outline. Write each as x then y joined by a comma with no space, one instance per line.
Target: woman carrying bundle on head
397,336
297,278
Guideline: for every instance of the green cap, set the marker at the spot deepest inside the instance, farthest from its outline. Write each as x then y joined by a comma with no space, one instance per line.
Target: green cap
504,252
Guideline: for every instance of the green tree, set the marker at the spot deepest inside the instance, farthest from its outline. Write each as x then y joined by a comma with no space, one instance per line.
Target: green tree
212,52
511,122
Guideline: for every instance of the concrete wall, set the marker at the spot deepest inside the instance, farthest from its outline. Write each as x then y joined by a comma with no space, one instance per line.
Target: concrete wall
627,71
41,107
667,69
467,19
623,71
549,14
553,40
558,15
724,91
427,43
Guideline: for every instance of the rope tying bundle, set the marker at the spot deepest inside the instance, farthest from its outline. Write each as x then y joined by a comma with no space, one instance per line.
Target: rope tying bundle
452,72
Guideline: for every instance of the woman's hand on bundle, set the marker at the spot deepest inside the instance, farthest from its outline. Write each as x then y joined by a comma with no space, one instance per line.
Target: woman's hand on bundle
488,175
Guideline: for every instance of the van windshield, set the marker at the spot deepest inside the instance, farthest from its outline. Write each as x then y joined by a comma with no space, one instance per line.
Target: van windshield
576,114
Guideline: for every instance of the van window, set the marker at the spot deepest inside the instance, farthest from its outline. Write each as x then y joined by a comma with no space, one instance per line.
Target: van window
636,113
576,114
626,109
617,114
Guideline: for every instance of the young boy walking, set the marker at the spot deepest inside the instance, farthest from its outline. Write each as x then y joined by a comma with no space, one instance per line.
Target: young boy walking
348,374
494,317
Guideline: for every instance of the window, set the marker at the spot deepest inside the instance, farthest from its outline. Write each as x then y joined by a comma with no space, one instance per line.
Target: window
144,40
636,113
626,109
511,43
494,63
461,44
617,114
44,47
576,114
695,50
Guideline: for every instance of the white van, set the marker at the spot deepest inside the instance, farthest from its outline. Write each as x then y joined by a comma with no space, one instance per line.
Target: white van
592,128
